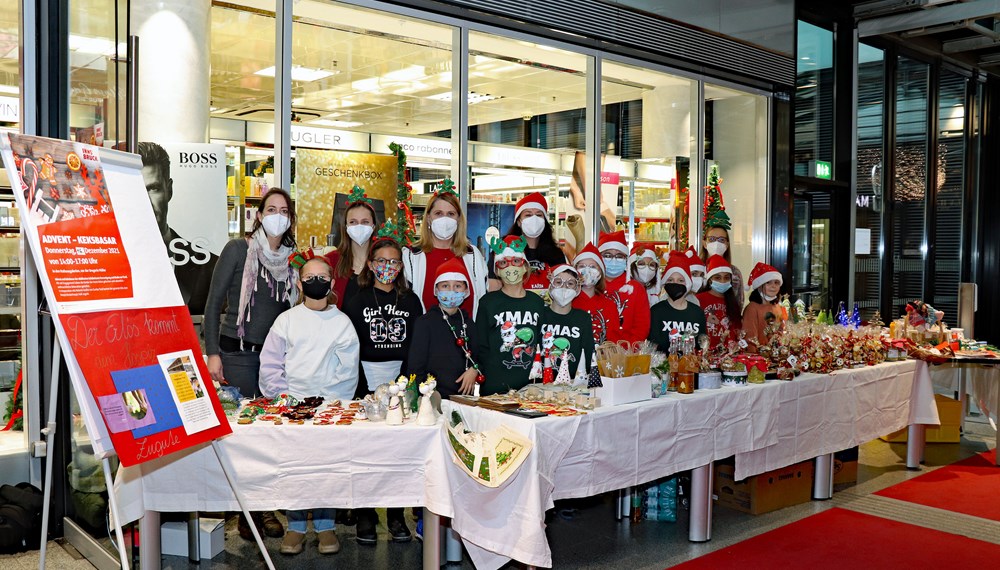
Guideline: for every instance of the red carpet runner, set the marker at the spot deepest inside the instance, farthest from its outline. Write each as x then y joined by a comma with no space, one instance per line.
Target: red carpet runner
839,539
970,486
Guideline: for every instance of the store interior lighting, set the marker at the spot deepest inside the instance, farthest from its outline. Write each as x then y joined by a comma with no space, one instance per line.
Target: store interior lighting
300,73
12,89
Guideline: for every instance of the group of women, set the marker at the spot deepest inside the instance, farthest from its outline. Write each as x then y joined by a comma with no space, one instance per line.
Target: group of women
340,325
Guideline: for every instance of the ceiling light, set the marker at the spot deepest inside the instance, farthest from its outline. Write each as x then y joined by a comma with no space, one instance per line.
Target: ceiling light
365,84
12,89
335,123
473,97
406,74
300,73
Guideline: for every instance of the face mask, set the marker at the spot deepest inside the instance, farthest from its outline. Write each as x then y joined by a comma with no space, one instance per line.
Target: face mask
533,226
645,274
590,276
316,288
451,299
697,283
513,275
675,290
715,248
385,274
275,224
721,288
767,298
563,296
614,267
359,233
444,228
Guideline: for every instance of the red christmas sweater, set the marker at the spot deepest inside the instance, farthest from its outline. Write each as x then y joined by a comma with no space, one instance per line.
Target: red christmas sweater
717,322
603,316
632,303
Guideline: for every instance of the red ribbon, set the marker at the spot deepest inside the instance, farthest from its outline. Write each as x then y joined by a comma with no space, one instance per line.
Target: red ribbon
17,413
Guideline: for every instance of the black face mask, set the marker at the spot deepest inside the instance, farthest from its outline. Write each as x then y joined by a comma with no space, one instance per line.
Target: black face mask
316,288
675,290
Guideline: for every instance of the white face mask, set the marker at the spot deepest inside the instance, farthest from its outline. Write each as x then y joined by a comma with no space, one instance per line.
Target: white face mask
715,248
645,274
697,283
533,226
275,225
563,296
444,227
590,275
766,297
359,233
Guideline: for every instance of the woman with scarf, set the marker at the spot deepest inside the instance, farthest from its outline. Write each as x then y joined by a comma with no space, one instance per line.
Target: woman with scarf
255,284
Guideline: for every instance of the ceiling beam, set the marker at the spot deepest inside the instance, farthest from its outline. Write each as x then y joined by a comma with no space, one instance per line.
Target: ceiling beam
885,7
936,16
988,38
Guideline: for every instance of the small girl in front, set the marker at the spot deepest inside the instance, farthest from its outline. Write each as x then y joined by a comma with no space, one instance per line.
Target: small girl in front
311,350
723,315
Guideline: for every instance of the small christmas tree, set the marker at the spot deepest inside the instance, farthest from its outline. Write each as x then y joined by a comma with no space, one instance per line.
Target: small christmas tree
404,196
714,211
563,376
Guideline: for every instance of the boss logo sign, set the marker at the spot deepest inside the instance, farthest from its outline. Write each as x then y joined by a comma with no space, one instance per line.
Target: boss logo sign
197,159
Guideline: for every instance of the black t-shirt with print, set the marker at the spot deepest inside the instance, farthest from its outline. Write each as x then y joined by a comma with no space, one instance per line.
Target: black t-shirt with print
666,320
568,335
508,330
384,323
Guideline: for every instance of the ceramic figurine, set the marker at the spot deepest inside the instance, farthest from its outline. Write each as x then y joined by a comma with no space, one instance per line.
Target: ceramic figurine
426,416
394,415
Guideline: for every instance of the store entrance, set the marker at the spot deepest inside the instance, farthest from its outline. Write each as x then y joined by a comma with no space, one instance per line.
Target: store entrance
820,243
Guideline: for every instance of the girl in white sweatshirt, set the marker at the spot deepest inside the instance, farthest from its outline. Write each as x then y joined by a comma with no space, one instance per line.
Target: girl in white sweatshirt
311,350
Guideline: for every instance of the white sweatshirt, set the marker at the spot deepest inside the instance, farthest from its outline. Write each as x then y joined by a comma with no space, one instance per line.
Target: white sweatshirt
310,353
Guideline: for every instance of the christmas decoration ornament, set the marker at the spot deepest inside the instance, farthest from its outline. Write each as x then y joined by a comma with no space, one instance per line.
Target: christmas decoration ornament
714,210
404,196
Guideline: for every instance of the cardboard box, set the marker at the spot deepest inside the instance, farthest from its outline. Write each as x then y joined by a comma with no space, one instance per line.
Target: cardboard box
845,466
950,412
625,390
766,492
211,539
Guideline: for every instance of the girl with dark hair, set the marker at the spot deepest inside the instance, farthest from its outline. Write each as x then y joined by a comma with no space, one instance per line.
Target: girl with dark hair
255,284
384,312
644,268
531,220
723,315
762,315
716,242
356,231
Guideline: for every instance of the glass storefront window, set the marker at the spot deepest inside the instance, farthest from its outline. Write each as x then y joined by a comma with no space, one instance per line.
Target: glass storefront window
736,140
948,199
649,118
97,84
814,102
869,204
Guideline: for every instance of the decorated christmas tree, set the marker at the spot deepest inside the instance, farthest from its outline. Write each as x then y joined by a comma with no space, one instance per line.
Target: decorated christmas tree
581,370
404,196
563,376
714,211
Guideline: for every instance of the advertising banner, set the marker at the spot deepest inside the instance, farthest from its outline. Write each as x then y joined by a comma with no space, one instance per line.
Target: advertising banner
127,338
321,175
186,184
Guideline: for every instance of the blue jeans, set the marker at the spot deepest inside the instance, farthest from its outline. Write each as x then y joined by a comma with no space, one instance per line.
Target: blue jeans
322,520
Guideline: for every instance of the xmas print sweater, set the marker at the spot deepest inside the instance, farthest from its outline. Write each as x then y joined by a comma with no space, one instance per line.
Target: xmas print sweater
668,322
566,336
603,316
508,331
632,303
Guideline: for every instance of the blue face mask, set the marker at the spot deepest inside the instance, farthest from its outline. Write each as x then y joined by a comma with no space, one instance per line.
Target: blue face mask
721,288
614,267
450,299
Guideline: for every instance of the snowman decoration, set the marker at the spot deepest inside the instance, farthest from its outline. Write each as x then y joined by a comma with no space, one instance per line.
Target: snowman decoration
426,415
394,415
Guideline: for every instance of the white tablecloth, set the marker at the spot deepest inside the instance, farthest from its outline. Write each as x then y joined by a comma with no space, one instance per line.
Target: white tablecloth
822,414
981,383
291,467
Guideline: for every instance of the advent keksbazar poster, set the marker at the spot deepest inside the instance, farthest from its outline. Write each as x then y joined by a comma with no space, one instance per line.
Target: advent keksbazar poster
131,350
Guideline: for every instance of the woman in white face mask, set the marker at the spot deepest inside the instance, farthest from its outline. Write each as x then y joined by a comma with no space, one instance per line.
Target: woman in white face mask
715,241
254,280
645,271
603,312
531,220
355,238
762,316
443,237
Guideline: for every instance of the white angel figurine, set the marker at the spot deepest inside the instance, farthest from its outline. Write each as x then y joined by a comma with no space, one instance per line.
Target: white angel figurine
426,415
394,415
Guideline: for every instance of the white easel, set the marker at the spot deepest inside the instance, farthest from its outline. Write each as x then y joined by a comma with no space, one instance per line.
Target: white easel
49,431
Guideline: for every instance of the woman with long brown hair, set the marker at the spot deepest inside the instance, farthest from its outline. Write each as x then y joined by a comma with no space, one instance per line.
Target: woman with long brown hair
356,230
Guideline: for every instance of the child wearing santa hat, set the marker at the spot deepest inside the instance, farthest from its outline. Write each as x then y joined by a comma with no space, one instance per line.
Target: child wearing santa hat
566,331
531,220
723,316
762,311
507,322
675,315
644,268
603,312
697,267
630,299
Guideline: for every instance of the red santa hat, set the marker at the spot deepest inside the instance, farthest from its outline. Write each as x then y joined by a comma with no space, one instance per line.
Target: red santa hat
678,263
590,252
762,273
451,270
640,251
533,200
696,264
511,246
717,264
613,241
564,268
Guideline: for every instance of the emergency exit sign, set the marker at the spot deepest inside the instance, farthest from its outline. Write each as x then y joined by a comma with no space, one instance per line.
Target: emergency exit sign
821,169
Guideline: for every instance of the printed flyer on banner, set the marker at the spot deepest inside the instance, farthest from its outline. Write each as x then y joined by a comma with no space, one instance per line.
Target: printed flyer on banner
63,196
186,185
189,391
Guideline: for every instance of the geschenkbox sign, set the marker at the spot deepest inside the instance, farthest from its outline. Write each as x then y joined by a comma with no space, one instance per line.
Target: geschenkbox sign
126,335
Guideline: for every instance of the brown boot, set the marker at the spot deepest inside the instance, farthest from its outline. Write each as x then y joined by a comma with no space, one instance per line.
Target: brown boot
272,526
293,543
328,542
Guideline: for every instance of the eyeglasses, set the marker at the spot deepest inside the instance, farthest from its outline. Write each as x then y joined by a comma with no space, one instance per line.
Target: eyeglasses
650,264
506,262
568,283
315,279
612,255
394,263
720,239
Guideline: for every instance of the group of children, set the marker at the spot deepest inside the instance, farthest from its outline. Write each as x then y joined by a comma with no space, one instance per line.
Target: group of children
376,310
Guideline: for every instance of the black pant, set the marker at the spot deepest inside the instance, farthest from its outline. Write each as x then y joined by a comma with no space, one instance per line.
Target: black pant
393,514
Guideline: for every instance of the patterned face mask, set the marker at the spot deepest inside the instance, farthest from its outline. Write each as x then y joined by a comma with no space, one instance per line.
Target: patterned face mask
385,274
